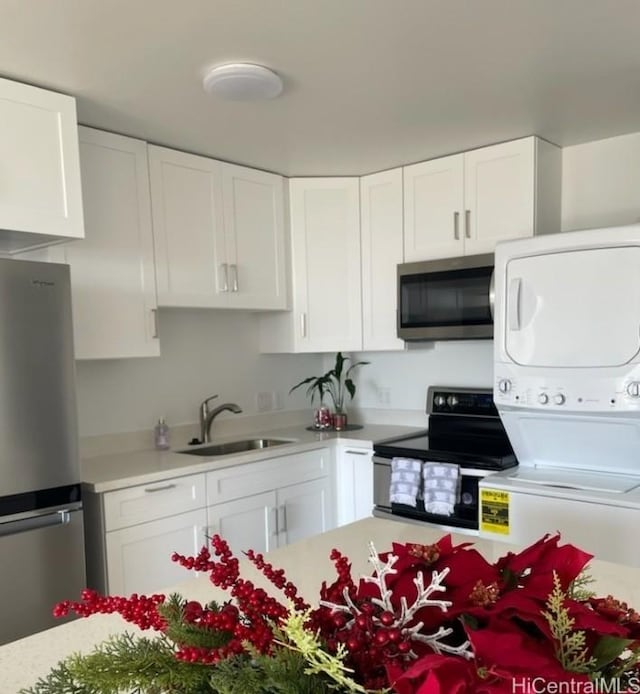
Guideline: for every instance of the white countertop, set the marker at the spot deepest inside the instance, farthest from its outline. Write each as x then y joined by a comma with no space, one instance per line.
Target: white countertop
109,472
306,564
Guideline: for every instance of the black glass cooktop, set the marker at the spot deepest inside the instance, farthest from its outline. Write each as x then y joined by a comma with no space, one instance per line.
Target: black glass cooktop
473,451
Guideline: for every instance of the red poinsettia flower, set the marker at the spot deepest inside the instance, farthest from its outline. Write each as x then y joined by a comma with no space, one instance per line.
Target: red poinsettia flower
536,565
447,674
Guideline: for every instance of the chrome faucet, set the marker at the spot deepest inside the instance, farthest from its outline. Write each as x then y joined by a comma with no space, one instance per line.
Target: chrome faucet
207,416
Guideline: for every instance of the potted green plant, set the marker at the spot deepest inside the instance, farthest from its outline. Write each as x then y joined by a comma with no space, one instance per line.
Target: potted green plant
337,383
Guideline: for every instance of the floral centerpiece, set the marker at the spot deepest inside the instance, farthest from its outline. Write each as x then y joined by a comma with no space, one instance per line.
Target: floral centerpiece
430,619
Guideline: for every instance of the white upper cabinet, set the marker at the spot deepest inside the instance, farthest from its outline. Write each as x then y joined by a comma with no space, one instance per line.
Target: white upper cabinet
219,233
40,192
465,203
188,229
325,248
433,208
112,270
382,251
255,238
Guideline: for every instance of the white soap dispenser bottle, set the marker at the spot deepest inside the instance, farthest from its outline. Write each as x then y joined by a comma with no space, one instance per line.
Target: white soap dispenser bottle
161,435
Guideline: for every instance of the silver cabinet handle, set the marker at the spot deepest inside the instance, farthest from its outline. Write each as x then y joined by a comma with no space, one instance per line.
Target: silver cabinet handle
467,223
456,226
282,524
276,531
62,517
154,316
303,324
234,285
225,277
164,488
368,453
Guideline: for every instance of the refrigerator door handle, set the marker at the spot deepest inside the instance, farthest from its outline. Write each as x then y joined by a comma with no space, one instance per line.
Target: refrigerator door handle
62,517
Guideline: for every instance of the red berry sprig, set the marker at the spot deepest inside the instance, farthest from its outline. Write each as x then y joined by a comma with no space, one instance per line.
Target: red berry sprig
137,609
279,580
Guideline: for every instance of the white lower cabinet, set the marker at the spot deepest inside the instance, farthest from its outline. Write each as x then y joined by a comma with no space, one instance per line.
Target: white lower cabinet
273,502
132,532
247,523
139,558
354,483
304,510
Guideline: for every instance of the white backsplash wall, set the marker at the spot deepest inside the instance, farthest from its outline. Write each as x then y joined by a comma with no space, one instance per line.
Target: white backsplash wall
203,352
393,387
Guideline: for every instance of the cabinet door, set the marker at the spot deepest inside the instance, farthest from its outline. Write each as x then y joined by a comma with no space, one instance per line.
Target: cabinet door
247,523
382,251
434,209
186,197
255,238
139,557
499,194
325,236
354,484
40,189
112,270
304,510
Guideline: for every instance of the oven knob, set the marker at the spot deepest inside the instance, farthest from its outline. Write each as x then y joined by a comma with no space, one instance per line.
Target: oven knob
559,399
633,389
543,398
452,401
440,401
504,385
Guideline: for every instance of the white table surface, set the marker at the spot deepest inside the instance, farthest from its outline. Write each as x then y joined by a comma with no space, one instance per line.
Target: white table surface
306,563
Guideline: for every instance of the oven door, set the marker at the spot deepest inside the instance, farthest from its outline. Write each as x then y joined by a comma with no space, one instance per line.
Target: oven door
465,513
446,299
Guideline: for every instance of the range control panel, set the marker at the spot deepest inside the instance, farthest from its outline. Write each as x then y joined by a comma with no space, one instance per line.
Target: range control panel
575,394
459,401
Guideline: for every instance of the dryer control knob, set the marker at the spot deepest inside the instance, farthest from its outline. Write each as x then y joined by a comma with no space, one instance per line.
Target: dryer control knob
452,401
633,389
543,398
559,399
440,401
504,385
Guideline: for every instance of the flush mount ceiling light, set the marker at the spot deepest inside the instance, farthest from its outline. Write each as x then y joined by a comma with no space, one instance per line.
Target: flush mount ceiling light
242,82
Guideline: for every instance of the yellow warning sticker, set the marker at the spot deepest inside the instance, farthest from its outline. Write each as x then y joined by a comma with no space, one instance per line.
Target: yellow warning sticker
494,511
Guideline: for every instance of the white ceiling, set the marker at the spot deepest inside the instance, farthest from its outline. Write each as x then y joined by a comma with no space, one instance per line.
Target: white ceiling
369,84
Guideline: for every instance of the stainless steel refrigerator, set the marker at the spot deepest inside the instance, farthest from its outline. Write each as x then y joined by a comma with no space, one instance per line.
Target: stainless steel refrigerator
41,523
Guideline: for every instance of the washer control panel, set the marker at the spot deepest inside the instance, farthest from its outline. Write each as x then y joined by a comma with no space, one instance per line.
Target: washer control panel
570,392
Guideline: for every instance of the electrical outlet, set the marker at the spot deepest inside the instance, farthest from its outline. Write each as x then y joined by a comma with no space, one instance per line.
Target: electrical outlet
276,400
264,402
384,396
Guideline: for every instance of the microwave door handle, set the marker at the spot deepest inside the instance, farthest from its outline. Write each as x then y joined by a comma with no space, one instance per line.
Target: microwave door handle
492,294
514,303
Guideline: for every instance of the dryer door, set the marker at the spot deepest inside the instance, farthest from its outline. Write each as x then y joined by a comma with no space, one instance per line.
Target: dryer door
573,308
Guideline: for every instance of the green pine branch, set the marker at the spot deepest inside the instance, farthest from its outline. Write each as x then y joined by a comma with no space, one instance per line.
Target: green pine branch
125,663
186,634
571,644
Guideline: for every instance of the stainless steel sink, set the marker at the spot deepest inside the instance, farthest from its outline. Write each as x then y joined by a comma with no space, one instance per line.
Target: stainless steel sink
234,447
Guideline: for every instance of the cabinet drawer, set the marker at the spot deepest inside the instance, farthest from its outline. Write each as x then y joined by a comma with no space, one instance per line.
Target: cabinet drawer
148,502
264,476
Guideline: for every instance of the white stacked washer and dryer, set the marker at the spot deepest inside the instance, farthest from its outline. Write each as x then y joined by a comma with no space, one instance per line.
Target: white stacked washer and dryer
567,387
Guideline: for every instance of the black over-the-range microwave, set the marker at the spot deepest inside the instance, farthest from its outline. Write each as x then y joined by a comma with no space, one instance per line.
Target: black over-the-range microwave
446,299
